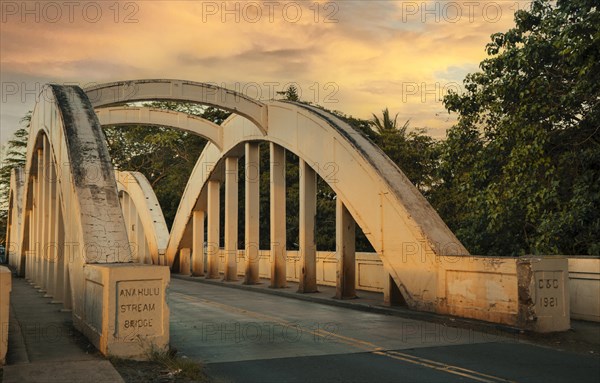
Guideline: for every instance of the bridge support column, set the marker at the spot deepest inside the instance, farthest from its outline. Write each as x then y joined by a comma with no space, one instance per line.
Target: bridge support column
346,255
213,229
44,216
252,207
28,261
39,225
198,244
278,234
231,218
184,261
50,248
308,211
59,253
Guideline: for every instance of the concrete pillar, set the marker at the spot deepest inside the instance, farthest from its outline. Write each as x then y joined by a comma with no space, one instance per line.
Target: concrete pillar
252,208
213,229
308,212
198,244
45,215
28,260
278,234
60,257
39,227
52,246
184,261
346,255
231,218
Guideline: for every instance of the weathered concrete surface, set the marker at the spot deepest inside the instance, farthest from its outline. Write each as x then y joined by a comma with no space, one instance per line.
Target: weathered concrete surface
584,286
73,235
5,288
44,347
495,289
543,293
126,312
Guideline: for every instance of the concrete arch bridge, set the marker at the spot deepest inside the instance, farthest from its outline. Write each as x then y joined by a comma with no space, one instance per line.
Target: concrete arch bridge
96,241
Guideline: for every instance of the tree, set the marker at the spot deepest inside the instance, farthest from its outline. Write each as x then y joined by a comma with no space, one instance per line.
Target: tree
524,156
16,149
415,153
164,155
290,94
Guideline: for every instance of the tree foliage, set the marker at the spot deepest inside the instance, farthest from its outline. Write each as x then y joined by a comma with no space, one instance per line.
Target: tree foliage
521,169
164,155
16,149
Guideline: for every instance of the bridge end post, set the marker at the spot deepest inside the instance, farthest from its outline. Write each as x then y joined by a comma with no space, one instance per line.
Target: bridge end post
543,293
125,311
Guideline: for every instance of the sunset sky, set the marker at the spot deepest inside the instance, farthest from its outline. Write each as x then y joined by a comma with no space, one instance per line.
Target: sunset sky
354,56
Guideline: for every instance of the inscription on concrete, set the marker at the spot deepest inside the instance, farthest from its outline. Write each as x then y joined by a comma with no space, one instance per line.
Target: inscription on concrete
549,292
139,309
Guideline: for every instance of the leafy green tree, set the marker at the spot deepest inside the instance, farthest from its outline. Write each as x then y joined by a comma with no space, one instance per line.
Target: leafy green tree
521,169
16,149
415,153
164,155
290,94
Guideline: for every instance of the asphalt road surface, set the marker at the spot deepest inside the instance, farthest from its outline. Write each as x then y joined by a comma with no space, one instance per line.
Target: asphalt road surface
245,336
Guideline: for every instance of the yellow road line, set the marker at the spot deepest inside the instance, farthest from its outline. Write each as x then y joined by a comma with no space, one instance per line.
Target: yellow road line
361,344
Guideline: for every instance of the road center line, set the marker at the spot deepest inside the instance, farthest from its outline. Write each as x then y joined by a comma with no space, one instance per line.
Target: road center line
357,343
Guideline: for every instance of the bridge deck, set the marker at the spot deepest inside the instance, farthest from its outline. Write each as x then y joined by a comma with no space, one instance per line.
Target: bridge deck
246,336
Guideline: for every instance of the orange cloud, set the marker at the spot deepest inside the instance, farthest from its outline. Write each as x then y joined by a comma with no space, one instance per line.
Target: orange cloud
357,57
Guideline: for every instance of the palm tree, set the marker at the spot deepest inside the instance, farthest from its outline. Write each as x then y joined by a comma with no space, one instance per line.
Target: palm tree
388,125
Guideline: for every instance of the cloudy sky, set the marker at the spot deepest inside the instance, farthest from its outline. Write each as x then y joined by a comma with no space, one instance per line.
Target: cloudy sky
354,56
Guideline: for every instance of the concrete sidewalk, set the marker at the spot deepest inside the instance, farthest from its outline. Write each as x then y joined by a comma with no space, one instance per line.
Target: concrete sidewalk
44,347
583,337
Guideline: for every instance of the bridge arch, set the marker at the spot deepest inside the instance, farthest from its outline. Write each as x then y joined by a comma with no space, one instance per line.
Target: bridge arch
119,116
178,90
400,224
71,196
144,220
72,237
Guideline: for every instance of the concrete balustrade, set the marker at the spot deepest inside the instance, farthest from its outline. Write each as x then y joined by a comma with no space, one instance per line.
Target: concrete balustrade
531,293
584,282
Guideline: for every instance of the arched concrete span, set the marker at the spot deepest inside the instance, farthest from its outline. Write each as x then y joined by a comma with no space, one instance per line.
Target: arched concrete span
179,90
425,262
400,224
143,217
13,228
160,117
72,237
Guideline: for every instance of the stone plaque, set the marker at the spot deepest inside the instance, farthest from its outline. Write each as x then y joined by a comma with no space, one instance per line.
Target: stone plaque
139,309
549,288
